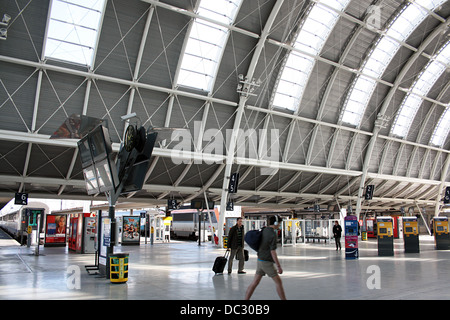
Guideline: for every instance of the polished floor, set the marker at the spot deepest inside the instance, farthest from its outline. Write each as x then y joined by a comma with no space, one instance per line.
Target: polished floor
181,270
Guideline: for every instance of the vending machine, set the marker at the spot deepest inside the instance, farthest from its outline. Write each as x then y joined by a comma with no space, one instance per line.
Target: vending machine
351,237
82,232
385,236
411,234
89,232
441,233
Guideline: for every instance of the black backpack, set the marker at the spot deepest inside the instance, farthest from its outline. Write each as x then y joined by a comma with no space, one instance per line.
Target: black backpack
253,238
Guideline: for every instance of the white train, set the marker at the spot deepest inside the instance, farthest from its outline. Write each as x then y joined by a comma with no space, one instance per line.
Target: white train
185,224
15,222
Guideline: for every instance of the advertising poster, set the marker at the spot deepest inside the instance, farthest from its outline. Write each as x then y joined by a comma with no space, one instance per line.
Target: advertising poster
55,231
131,230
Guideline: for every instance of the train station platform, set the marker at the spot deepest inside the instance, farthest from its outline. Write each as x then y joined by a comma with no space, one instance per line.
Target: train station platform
182,270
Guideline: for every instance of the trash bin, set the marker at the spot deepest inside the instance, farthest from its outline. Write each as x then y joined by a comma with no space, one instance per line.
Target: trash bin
225,242
118,264
364,236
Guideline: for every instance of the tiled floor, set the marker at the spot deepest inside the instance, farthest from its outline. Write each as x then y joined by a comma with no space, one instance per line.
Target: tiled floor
182,270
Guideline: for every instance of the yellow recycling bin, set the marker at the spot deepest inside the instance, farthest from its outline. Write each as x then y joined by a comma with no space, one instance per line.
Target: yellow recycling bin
118,264
225,242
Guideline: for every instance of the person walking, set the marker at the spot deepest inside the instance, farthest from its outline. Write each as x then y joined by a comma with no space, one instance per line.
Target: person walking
236,244
337,232
267,260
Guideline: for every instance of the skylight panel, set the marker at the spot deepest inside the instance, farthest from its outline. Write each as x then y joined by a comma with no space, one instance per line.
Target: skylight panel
310,39
73,30
385,49
420,88
442,129
205,44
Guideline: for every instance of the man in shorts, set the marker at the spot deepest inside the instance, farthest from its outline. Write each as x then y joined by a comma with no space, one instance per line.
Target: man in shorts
268,259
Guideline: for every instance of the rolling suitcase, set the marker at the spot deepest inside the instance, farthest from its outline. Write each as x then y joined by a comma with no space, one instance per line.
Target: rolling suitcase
220,262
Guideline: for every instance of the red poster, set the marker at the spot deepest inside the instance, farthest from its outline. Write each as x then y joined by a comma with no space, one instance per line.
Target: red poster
55,231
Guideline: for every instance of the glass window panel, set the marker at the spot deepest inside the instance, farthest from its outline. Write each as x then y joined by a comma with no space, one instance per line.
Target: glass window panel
68,52
351,118
206,41
207,33
188,78
442,129
422,86
72,30
359,96
388,45
298,61
323,15
292,75
284,101
201,48
219,10
373,68
364,84
309,42
288,88
338,5
199,64
315,27
354,106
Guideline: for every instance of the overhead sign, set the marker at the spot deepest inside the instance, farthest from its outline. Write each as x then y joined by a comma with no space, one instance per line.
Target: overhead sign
234,182
21,198
369,192
447,195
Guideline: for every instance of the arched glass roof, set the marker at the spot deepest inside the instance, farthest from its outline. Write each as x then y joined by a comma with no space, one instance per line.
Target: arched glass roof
418,90
298,66
381,55
205,44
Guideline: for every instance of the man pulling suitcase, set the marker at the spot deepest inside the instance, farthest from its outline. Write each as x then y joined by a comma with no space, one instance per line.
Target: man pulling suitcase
236,244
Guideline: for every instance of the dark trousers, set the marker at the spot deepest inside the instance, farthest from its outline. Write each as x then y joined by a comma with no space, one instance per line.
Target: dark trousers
338,242
239,252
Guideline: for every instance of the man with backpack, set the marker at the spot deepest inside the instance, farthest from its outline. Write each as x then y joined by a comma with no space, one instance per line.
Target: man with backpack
268,260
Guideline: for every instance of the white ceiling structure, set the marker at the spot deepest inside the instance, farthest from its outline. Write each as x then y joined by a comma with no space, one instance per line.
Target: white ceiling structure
310,101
